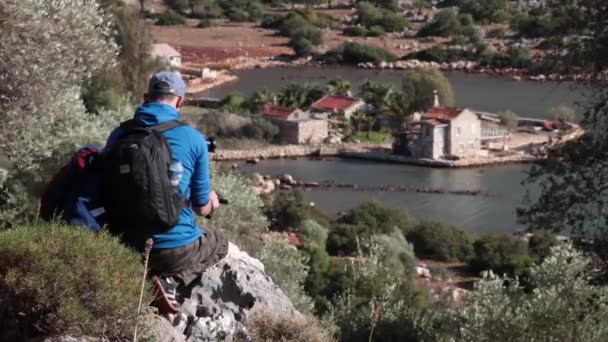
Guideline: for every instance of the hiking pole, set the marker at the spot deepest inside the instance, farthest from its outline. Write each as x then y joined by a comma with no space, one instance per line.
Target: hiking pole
149,243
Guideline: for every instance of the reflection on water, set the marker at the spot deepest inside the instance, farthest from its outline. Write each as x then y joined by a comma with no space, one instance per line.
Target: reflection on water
477,214
481,92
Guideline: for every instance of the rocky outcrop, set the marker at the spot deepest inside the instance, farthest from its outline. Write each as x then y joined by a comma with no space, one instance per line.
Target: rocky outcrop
217,307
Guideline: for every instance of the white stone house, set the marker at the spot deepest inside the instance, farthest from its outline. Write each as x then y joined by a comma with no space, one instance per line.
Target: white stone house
448,132
167,55
337,104
296,127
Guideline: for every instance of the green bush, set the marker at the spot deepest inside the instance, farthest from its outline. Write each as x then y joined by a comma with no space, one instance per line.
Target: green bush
243,10
361,224
68,280
516,58
170,17
286,210
301,46
378,294
540,244
354,53
355,31
315,18
437,240
501,253
243,220
376,31
567,304
178,5
260,129
206,23
370,15
441,54
288,268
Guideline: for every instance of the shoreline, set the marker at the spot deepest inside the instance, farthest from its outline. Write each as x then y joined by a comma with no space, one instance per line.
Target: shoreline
469,67
371,152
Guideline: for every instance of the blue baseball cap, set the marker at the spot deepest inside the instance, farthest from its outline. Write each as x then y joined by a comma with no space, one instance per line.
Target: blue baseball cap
167,83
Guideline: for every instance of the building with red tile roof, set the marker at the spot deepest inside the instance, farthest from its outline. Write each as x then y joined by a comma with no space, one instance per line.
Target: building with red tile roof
448,132
278,112
332,104
296,126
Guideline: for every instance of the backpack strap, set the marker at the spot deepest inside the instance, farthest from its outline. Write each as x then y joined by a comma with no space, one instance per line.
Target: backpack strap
163,127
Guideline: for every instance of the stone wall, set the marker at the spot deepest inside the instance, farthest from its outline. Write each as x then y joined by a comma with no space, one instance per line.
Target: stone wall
312,131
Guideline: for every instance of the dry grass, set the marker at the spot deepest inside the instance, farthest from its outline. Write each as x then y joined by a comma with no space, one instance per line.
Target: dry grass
266,326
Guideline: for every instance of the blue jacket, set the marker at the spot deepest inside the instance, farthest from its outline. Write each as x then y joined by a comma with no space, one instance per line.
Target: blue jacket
189,147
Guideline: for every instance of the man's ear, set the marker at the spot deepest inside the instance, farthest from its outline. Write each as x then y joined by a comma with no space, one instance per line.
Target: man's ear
146,98
180,102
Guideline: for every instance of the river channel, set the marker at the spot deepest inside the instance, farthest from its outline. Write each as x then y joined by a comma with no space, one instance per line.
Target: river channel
477,214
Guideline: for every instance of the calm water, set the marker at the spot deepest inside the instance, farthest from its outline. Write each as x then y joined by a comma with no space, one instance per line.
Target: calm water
481,92
479,215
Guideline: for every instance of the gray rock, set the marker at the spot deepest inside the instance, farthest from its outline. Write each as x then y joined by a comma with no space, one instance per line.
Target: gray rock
218,305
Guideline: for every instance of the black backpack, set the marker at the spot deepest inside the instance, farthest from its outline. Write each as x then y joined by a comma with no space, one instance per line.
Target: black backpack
137,191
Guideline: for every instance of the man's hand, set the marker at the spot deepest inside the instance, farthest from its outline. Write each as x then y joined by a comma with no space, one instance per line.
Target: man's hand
211,206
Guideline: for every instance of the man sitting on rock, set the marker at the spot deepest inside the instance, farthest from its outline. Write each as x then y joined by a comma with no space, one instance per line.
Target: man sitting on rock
182,252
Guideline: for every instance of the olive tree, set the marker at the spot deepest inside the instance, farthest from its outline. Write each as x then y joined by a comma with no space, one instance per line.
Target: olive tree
42,116
565,304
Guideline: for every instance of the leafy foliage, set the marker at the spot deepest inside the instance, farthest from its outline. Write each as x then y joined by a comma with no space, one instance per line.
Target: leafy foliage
371,16
288,268
170,17
242,221
377,296
354,53
440,241
39,125
447,23
501,253
57,278
565,304
360,224
299,95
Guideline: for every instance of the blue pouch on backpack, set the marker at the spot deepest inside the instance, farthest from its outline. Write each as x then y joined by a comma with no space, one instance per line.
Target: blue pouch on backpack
74,193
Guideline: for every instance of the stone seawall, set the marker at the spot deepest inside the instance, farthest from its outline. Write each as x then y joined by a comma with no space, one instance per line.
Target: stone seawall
361,151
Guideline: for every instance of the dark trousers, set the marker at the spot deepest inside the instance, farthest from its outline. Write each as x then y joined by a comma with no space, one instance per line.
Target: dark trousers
187,263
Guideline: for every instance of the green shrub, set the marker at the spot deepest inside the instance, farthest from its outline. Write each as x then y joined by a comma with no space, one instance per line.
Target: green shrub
178,5
314,238
502,254
540,244
170,17
68,280
288,268
301,46
376,31
233,103
437,240
243,220
516,58
377,294
270,21
354,53
361,224
243,10
442,54
315,18
286,210
206,23
567,304
260,129
355,31
370,15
